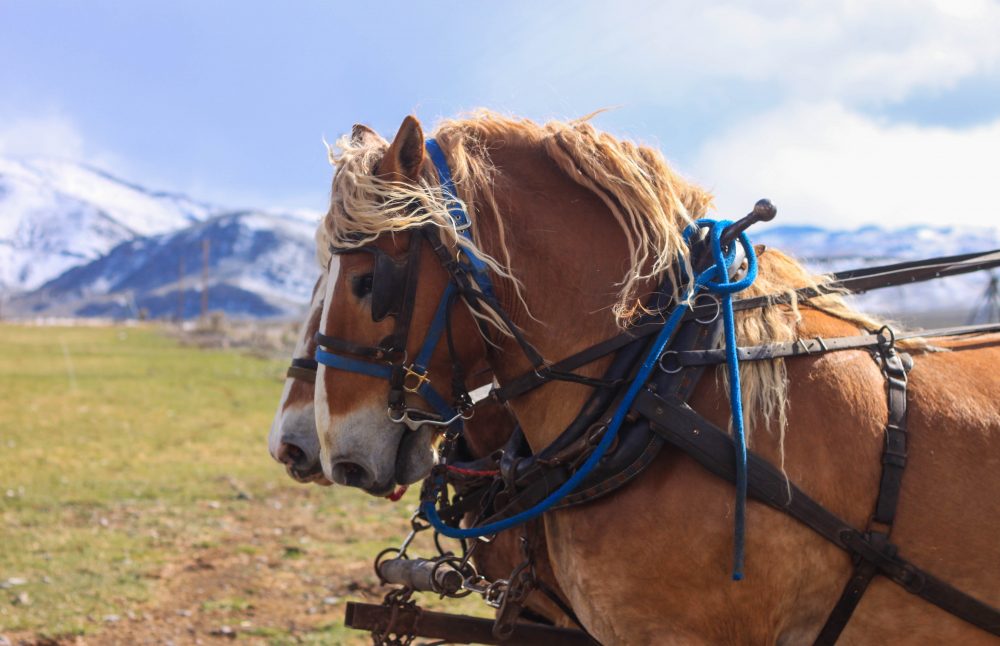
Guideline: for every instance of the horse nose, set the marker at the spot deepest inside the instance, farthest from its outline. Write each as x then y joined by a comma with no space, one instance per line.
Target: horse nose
292,455
352,474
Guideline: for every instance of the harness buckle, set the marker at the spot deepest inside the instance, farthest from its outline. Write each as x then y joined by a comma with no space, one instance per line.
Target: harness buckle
413,380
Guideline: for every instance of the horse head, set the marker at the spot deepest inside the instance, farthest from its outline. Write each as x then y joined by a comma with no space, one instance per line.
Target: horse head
385,387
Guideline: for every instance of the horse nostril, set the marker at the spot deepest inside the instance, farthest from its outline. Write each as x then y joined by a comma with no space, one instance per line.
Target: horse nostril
352,475
291,455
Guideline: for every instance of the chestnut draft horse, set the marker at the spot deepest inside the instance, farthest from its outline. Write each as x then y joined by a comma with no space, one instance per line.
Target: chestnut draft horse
293,442
576,229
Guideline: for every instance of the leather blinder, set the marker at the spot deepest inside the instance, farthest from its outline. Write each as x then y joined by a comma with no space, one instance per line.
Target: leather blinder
388,285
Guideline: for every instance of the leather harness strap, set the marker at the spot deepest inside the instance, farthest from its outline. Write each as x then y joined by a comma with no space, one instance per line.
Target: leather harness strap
682,427
302,369
895,367
803,347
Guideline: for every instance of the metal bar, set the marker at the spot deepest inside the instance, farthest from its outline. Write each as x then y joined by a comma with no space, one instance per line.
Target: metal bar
460,629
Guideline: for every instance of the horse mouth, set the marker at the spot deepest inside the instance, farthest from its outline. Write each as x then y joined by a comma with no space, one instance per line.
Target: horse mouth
311,475
414,456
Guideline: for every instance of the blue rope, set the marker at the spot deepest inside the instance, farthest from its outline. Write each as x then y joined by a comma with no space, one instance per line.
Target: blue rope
714,279
726,288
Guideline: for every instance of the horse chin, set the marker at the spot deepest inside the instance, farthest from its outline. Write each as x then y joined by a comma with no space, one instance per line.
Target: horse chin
415,456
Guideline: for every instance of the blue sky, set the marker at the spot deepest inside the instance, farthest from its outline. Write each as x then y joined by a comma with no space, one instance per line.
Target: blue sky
842,112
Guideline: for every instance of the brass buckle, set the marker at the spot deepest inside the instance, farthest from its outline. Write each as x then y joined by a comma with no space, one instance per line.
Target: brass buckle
411,386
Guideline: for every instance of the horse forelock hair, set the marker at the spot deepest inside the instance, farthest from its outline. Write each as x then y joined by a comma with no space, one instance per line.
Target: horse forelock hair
364,206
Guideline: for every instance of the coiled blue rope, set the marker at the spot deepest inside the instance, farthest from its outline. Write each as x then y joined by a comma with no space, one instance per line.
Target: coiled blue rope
714,279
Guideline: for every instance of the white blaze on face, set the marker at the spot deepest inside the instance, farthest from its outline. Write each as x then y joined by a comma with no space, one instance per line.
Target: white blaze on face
322,406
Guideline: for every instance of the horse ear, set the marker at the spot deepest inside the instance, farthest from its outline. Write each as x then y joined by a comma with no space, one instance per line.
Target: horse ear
406,152
360,133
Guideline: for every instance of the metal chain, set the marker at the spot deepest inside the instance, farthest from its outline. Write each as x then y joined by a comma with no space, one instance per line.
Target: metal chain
389,635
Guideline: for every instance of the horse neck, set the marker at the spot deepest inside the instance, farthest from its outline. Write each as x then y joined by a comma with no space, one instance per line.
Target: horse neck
568,254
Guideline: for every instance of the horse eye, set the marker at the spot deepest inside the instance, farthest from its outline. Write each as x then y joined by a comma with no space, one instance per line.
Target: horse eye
363,285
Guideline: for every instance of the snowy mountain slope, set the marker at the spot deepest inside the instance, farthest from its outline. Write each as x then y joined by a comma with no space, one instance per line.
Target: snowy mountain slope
57,214
260,265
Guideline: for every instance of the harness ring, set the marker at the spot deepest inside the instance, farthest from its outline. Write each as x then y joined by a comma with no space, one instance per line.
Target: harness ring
673,368
714,299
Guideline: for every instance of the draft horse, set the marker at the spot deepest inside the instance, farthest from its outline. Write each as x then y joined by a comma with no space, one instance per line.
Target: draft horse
580,235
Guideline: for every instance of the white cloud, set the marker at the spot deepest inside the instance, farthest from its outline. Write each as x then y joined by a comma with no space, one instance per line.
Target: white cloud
55,136
845,50
826,165
48,136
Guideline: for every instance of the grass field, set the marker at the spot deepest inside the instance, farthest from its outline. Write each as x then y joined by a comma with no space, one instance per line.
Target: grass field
138,503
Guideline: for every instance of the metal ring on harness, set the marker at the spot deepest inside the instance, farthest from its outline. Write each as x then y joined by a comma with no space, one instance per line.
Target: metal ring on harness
381,555
467,570
718,307
886,338
675,367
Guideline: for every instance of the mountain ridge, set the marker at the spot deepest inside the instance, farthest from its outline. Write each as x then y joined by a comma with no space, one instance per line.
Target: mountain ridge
76,240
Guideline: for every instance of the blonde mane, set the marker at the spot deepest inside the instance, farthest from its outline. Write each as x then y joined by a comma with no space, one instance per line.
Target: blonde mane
650,202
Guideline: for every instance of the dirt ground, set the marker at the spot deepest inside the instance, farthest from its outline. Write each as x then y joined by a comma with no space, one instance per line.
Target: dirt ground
251,587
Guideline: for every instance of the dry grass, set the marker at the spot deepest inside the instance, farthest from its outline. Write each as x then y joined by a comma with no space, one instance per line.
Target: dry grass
138,503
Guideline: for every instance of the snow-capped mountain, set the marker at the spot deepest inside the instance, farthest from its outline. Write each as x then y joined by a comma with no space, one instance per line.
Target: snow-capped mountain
259,265
937,302
56,214
76,241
